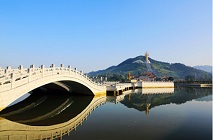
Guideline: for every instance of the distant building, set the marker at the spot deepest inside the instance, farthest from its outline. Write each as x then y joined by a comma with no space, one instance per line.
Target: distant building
148,76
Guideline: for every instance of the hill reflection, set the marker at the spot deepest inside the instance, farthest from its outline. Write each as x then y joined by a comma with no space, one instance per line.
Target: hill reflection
143,101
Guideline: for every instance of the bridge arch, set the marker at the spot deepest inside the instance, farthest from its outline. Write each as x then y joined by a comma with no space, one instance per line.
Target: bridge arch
14,83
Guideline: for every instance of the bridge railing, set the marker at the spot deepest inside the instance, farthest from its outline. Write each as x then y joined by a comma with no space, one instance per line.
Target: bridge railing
12,78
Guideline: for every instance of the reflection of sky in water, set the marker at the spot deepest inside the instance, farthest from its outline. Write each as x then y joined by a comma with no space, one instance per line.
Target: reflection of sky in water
19,99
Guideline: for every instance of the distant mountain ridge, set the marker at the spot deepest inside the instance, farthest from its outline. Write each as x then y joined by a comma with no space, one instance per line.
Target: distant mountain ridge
136,66
204,68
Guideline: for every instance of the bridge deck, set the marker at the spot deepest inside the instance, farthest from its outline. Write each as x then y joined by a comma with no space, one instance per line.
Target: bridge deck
117,89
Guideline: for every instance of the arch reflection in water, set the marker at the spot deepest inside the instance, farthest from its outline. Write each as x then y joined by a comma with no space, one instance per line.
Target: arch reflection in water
46,116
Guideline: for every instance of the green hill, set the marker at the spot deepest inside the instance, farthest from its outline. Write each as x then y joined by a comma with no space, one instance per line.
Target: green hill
136,66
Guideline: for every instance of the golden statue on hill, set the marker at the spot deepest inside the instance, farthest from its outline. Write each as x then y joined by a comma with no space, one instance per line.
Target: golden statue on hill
147,56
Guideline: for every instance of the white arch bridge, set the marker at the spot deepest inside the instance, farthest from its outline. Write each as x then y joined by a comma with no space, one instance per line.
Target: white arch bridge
14,83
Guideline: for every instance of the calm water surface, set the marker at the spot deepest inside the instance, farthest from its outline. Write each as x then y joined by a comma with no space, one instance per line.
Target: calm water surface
184,113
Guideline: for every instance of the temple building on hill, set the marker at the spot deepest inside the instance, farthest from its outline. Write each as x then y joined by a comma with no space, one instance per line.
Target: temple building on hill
147,76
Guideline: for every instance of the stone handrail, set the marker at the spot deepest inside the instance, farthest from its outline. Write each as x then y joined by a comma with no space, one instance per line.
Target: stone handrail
12,78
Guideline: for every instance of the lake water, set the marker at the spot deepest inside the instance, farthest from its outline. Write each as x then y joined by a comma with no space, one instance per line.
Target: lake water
164,114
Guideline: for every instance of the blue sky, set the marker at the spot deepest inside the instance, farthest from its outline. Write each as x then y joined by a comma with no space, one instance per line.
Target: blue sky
96,34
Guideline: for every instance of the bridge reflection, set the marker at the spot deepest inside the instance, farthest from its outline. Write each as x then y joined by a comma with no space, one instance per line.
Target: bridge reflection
46,116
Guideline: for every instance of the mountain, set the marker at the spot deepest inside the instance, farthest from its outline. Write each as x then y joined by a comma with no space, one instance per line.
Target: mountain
204,68
136,66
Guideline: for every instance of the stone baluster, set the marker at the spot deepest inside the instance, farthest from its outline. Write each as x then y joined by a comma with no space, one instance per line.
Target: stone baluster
12,80
75,70
101,79
7,70
68,131
62,67
61,135
53,68
41,137
42,69
32,67
51,136
20,69
69,67
29,74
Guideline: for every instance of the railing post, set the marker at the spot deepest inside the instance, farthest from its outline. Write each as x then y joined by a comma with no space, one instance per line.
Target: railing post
41,137
68,132
42,69
75,70
32,67
51,138
61,135
62,67
1,85
69,67
53,68
20,69
12,80
101,80
7,71
29,74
